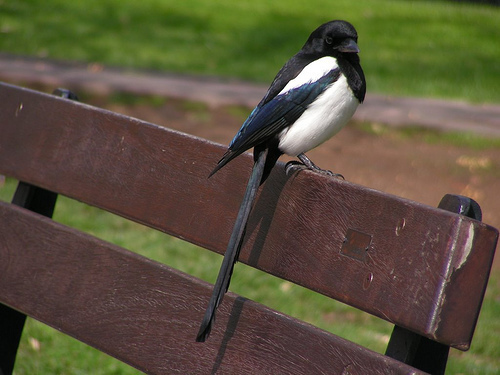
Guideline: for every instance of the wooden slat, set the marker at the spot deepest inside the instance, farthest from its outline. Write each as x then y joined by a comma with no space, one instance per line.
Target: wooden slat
11,321
424,269
147,314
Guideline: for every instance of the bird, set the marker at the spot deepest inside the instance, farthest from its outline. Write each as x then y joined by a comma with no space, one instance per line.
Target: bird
311,98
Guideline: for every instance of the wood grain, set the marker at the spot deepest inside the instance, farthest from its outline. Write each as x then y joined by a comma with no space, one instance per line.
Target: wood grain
147,314
419,265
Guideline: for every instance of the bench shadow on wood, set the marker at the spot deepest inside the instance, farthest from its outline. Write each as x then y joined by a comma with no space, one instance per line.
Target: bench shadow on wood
424,269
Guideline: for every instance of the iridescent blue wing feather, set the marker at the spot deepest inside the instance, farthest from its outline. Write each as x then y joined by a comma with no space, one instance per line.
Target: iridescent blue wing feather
269,119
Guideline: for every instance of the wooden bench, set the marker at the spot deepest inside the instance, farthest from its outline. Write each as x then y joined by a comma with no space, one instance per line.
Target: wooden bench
424,269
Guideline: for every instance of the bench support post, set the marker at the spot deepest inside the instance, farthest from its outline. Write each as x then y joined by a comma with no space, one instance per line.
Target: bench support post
12,322
417,351
411,348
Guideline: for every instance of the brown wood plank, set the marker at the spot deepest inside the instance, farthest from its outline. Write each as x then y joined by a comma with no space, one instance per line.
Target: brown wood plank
305,228
147,314
11,321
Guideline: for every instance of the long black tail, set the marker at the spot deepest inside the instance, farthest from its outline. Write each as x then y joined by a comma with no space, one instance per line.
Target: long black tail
233,247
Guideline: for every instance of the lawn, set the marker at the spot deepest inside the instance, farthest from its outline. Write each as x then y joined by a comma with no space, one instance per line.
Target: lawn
412,48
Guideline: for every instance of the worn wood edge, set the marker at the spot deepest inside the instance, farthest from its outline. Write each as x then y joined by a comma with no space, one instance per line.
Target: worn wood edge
232,179
153,328
472,266
463,281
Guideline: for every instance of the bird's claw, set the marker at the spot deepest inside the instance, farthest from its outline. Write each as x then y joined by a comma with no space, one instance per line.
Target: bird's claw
330,173
293,165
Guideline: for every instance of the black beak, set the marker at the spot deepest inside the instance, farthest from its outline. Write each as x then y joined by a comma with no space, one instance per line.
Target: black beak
349,45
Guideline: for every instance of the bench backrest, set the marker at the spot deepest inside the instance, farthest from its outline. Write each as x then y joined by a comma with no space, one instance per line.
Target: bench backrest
421,268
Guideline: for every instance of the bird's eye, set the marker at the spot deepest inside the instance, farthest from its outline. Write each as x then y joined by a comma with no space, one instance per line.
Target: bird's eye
329,40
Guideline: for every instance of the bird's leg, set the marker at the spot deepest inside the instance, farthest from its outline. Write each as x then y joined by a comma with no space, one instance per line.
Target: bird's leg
307,163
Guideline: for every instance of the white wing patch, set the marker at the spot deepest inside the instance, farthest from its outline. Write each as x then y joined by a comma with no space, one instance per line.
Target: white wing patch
312,72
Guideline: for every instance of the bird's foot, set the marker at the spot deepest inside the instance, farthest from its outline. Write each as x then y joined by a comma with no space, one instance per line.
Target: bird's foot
293,165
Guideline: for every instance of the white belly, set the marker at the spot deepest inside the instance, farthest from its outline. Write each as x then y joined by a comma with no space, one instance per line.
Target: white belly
321,120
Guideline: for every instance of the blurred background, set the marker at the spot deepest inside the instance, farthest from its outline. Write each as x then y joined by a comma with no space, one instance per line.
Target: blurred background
414,48
440,60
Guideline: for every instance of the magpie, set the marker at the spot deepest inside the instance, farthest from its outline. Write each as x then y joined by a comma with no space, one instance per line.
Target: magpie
311,98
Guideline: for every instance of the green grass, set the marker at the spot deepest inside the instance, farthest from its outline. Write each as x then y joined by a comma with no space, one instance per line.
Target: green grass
433,136
46,351
412,48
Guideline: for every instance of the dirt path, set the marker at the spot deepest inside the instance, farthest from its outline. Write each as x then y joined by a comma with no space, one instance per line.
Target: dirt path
104,80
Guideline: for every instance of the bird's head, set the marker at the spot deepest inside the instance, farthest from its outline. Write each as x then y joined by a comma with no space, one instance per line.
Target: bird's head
333,39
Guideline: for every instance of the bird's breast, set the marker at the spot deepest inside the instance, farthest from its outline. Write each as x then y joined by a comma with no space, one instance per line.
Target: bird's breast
322,119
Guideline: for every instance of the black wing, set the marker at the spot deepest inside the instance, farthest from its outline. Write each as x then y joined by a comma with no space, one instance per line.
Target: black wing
268,119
